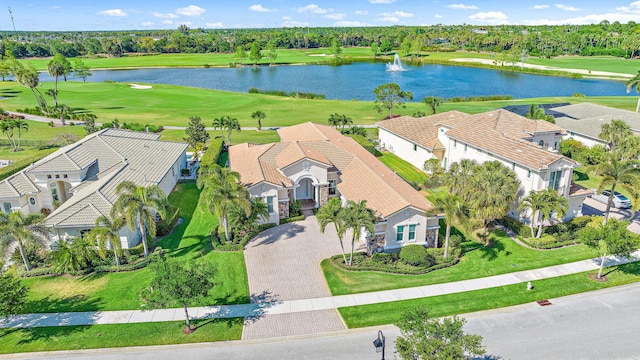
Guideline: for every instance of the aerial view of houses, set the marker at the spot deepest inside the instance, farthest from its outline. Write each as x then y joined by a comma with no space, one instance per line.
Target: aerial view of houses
288,180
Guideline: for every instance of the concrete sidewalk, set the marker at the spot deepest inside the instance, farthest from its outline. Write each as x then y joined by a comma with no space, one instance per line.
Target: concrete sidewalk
305,305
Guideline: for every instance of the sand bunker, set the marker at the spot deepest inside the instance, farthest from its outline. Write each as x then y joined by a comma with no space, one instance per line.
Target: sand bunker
136,86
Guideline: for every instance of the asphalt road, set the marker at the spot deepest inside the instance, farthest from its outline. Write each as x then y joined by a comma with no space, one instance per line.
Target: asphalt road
597,325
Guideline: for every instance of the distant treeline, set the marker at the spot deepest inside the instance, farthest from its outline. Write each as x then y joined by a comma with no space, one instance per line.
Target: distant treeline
293,94
516,41
459,99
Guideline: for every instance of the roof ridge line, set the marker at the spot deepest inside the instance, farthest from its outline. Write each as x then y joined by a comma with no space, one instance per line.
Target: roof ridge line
82,207
72,161
110,147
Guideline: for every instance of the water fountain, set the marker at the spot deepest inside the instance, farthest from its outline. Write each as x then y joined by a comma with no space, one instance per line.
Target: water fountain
397,64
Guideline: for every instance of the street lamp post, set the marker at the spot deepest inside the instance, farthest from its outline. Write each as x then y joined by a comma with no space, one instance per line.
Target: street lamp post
379,343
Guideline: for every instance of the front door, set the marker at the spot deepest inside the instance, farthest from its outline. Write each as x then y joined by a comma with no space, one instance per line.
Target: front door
304,190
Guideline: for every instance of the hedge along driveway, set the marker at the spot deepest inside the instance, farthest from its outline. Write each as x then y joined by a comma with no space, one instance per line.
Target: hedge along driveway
119,291
504,256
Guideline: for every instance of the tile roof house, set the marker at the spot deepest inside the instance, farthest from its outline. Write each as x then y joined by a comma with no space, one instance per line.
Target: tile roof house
314,163
77,184
528,147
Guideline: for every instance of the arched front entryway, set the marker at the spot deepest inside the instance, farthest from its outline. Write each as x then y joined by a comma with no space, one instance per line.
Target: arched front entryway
306,189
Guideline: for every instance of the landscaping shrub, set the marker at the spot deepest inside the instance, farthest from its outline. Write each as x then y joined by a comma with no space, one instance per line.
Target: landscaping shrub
459,99
295,208
515,226
291,219
142,128
41,271
415,255
210,156
219,242
164,226
559,235
126,267
390,263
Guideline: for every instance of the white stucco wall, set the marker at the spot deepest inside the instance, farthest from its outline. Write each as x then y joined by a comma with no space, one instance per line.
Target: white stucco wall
170,179
404,148
264,190
409,216
585,140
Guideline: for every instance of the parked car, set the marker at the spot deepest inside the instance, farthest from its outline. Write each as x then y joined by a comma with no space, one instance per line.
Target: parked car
619,201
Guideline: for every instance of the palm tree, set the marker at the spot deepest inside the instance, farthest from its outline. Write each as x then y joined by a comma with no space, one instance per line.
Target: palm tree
27,76
615,131
22,229
58,66
258,211
220,123
454,210
72,254
537,113
494,188
345,121
259,116
138,206
226,123
432,102
458,178
616,172
543,204
335,120
232,124
634,82
105,235
20,125
7,127
222,191
356,217
333,212
628,148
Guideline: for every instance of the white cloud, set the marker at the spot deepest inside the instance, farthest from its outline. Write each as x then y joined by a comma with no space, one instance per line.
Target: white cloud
540,7
462,7
490,17
217,25
313,9
260,8
288,22
634,7
165,15
148,24
362,12
55,7
167,22
438,16
398,14
587,19
349,23
112,12
382,1
566,7
336,16
191,10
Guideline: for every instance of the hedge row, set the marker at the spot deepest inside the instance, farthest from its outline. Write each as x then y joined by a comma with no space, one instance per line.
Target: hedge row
219,242
291,219
127,267
338,261
211,155
16,166
365,143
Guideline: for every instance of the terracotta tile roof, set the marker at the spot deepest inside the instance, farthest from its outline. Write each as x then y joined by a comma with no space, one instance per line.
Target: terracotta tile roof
422,131
363,176
577,190
297,151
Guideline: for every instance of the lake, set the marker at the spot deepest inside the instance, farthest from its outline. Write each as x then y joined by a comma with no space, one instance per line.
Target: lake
357,81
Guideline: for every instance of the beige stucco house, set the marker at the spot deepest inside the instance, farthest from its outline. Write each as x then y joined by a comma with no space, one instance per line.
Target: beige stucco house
76,184
529,147
314,163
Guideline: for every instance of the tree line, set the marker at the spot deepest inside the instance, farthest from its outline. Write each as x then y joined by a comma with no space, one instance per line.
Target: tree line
605,38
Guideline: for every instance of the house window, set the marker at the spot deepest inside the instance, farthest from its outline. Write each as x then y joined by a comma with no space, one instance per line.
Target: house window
400,233
541,143
554,180
57,176
465,147
412,232
555,145
513,166
54,191
84,232
305,165
6,207
455,143
444,164
529,174
415,147
32,201
332,187
48,176
270,204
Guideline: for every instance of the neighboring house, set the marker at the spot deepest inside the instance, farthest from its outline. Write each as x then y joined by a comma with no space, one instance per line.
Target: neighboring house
314,163
583,122
528,147
77,184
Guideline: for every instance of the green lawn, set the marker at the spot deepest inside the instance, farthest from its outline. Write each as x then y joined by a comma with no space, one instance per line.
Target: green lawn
504,256
461,303
119,291
250,136
593,63
109,336
407,171
41,133
592,181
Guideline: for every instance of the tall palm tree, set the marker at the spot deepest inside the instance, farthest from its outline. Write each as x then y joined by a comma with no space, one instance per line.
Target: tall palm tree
22,229
105,235
537,113
345,121
221,191
615,131
634,82
138,206
29,77
357,216
454,210
58,66
628,148
220,123
494,188
259,116
542,205
335,120
258,210
458,178
333,212
20,125
432,103
616,172
7,127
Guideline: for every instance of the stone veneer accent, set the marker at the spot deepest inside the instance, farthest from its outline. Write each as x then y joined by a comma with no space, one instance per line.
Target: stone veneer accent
324,195
283,209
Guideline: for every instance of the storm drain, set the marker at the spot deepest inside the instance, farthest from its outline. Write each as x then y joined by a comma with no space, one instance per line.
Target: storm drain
544,302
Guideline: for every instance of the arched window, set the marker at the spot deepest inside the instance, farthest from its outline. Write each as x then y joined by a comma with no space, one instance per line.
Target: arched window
541,143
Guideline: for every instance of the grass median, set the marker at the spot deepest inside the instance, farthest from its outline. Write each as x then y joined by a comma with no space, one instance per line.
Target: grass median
504,256
117,335
486,299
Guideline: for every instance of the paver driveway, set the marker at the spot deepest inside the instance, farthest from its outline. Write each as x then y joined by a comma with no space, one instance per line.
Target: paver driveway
284,264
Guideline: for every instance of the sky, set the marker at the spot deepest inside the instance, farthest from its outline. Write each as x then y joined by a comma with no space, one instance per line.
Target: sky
76,15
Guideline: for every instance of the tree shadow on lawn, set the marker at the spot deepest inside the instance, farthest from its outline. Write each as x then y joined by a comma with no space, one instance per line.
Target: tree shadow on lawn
50,304
201,247
49,333
489,252
229,322
629,269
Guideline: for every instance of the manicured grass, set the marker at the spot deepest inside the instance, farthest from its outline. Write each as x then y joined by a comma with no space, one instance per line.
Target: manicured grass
407,171
41,133
593,63
250,136
119,291
120,335
391,312
592,181
504,256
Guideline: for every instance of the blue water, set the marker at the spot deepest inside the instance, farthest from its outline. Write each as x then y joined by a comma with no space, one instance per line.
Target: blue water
357,81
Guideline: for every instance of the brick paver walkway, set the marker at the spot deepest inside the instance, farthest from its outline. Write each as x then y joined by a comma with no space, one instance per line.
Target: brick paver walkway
284,264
